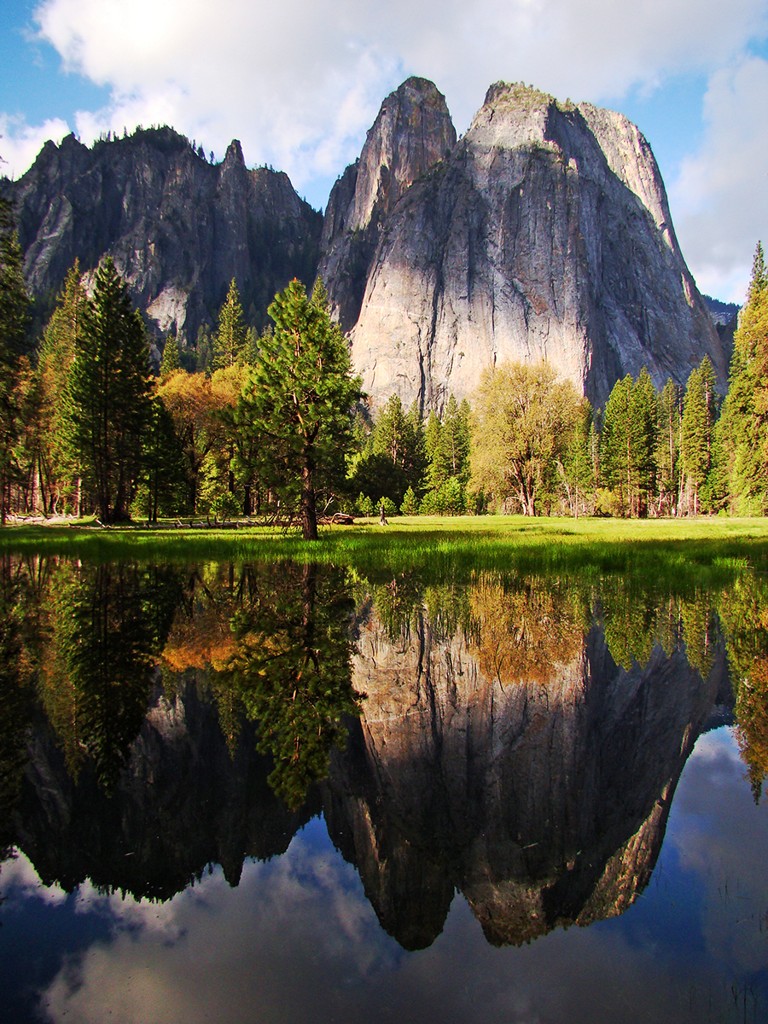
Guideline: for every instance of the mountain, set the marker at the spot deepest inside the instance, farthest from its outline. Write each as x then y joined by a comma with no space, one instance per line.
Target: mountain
544,233
524,769
411,134
178,228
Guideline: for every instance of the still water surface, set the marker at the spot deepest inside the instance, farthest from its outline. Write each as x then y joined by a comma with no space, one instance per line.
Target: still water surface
253,793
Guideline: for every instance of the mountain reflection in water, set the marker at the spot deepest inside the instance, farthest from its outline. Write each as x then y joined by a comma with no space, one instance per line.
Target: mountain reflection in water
517,740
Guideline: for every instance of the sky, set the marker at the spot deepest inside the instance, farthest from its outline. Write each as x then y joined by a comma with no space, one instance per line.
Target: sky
300,83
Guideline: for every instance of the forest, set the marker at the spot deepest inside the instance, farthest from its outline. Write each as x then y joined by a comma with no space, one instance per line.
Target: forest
275,425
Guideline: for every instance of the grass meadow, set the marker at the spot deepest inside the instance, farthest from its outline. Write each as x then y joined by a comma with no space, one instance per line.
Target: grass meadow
665,548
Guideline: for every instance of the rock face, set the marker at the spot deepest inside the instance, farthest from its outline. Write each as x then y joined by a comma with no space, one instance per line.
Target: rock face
543,234
178,228
411,134
521,767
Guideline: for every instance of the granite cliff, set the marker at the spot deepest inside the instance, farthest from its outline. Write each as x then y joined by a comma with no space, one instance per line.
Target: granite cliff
411,134
540,794
544,233
178,228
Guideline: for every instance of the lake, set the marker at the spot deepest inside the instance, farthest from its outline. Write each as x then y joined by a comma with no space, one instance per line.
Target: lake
280,792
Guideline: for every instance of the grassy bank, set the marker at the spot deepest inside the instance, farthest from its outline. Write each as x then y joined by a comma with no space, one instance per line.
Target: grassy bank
437,544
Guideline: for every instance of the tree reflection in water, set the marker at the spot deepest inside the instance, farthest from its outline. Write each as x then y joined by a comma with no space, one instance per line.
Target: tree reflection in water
108,625
290,669
520,741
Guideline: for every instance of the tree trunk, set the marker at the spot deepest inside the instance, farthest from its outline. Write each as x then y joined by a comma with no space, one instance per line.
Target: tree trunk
308,503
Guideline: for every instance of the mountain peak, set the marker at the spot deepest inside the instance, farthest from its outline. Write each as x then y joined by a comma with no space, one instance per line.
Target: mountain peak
234,154
546,236
412,132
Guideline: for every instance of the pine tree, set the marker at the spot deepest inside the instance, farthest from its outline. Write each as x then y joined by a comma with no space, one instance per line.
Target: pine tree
232,334
628,443
107,400
432,430
395,458
391,433
14,315
163,478
170,361
645,424
451,454
697,431
668,448
742,432
578,470
299,400
57,352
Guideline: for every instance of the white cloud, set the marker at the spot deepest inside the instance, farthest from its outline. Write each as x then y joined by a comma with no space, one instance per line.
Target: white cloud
20,143
217,953
19,879
721,194
300,83
295,82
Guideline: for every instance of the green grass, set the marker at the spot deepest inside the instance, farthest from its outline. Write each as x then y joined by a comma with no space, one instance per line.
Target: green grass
635,547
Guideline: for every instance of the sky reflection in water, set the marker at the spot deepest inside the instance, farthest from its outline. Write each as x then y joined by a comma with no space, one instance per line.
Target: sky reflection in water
297,940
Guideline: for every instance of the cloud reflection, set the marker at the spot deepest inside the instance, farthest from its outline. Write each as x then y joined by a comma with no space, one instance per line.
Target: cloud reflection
297,940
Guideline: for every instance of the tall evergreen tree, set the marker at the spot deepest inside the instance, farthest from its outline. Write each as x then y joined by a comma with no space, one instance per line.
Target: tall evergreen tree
299,398
232,333
577,465
432,430
170,361
450,457
14,315
628,442
398,435
742,434
57,352
108,396
697,431
668,448
163,478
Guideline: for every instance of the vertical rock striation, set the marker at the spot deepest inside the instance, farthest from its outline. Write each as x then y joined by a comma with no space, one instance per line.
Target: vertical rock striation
178,228
544,233
542,800
412,133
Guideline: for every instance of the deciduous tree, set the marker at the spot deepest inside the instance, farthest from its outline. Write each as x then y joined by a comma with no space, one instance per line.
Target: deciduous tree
524,418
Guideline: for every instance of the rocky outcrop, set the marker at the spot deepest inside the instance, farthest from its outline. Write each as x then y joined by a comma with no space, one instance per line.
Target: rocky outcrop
544,233
178,228
513,762
411,134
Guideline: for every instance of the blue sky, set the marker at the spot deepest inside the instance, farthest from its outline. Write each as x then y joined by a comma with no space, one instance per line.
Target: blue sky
299,84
